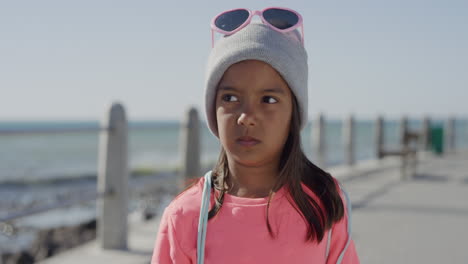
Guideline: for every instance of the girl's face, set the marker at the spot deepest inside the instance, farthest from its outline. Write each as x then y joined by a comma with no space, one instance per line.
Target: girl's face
253,100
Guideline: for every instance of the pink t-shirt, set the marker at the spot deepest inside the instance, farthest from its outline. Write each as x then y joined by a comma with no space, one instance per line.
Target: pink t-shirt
239,234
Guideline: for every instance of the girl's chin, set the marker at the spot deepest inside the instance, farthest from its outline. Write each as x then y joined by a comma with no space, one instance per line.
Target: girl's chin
248,163
249,159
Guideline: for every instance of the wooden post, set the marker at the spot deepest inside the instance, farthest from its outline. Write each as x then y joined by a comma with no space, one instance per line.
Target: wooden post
112,208
318,141
404,146
379,137
449,135
403,130
425,134
348,139
190,147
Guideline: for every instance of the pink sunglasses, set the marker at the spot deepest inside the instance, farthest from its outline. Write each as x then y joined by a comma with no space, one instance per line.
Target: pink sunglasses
278,18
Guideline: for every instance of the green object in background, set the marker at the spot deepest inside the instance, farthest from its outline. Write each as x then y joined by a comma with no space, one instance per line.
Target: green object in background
437,139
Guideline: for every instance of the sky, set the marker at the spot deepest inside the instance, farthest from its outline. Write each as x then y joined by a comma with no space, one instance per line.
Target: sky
69,60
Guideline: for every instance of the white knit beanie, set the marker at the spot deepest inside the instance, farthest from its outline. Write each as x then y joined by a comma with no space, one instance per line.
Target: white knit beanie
283,51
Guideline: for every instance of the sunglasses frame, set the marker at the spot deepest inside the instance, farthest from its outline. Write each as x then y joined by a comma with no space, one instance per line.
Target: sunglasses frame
264,21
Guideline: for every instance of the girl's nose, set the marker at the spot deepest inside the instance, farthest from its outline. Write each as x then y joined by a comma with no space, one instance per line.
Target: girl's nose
247,117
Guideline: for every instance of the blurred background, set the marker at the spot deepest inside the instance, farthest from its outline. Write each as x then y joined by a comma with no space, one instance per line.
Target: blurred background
62,63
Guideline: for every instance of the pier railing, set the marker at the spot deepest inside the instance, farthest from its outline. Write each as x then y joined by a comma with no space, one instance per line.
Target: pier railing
112,193
112,179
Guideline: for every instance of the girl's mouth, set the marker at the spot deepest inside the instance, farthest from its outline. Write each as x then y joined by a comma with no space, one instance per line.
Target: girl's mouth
247,141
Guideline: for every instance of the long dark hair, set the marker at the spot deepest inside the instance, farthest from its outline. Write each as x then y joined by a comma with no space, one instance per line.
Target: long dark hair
295,168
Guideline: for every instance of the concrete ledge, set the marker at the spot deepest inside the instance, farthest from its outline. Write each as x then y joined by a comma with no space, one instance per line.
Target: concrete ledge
141,238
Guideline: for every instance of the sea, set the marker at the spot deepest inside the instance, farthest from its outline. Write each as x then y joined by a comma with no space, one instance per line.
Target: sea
46,168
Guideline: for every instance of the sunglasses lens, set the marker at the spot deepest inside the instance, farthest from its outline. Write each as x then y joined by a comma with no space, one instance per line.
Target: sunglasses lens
231,20
280,18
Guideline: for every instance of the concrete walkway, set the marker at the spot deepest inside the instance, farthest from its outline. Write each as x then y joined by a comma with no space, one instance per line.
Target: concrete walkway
142,235
420,220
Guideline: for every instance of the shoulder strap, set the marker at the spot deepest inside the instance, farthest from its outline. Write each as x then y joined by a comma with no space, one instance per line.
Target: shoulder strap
328,243
203,220
348,208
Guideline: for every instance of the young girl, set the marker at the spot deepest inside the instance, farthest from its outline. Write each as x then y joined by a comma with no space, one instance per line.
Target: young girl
264,201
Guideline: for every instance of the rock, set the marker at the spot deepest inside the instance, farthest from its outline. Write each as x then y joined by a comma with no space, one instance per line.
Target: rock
21,257
50,242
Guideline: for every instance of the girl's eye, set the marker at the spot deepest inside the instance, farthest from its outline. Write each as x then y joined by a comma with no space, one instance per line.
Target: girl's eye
227,97
271,101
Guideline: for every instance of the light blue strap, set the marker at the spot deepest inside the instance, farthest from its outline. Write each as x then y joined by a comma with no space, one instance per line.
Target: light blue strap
348,205
203,220
328,243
